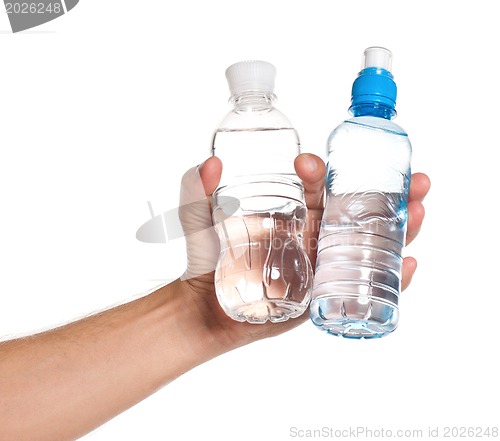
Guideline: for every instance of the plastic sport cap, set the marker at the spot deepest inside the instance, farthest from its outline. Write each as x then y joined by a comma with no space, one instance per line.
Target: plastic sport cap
375,84
251,75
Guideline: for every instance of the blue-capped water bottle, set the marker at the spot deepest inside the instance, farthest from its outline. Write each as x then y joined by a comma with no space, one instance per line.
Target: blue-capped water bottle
358,270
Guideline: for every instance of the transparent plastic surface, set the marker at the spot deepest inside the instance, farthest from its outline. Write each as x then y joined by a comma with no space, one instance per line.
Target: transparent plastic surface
358,270
263,272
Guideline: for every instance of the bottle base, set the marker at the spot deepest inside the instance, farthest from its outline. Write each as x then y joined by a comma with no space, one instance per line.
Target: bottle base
354,317
267,310
354,329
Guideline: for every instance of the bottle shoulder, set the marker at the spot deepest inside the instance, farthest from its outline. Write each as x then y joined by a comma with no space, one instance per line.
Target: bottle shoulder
374,123
370,138
264,119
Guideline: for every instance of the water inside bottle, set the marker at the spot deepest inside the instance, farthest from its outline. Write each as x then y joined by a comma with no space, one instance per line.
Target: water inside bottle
256,151
263,272
358,269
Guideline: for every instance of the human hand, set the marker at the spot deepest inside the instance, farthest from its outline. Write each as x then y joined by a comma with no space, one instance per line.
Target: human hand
203,246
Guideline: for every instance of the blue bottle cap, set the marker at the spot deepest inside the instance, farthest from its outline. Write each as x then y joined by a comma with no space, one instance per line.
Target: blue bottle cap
375,84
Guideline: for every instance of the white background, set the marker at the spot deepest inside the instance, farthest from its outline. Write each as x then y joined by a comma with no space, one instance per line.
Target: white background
105,108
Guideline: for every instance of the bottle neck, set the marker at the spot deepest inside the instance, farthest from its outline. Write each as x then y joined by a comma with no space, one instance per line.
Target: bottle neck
253,101
373,109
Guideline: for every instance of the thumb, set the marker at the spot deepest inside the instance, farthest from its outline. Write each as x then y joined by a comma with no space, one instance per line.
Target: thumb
200,182
210,173
202,244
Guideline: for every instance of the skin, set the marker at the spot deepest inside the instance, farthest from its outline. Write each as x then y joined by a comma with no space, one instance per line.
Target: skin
61,384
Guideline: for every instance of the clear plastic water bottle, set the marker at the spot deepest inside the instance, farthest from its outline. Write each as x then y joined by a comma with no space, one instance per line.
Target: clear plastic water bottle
358,271
263,272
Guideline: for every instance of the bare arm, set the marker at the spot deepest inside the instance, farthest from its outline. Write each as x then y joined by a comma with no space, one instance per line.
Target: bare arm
61,384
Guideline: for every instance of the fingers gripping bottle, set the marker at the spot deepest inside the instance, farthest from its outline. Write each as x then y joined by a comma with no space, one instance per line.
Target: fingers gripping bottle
263,272
358,271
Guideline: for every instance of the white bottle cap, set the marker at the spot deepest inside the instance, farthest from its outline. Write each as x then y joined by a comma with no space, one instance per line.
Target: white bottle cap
251,75
377,57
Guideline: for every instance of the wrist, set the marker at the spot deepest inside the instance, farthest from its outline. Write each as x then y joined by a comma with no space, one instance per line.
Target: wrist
185,311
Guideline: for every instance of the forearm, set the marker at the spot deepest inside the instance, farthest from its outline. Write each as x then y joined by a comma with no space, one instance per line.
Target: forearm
60,384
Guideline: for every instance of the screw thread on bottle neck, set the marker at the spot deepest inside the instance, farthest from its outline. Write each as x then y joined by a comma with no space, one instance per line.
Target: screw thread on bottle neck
253,100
